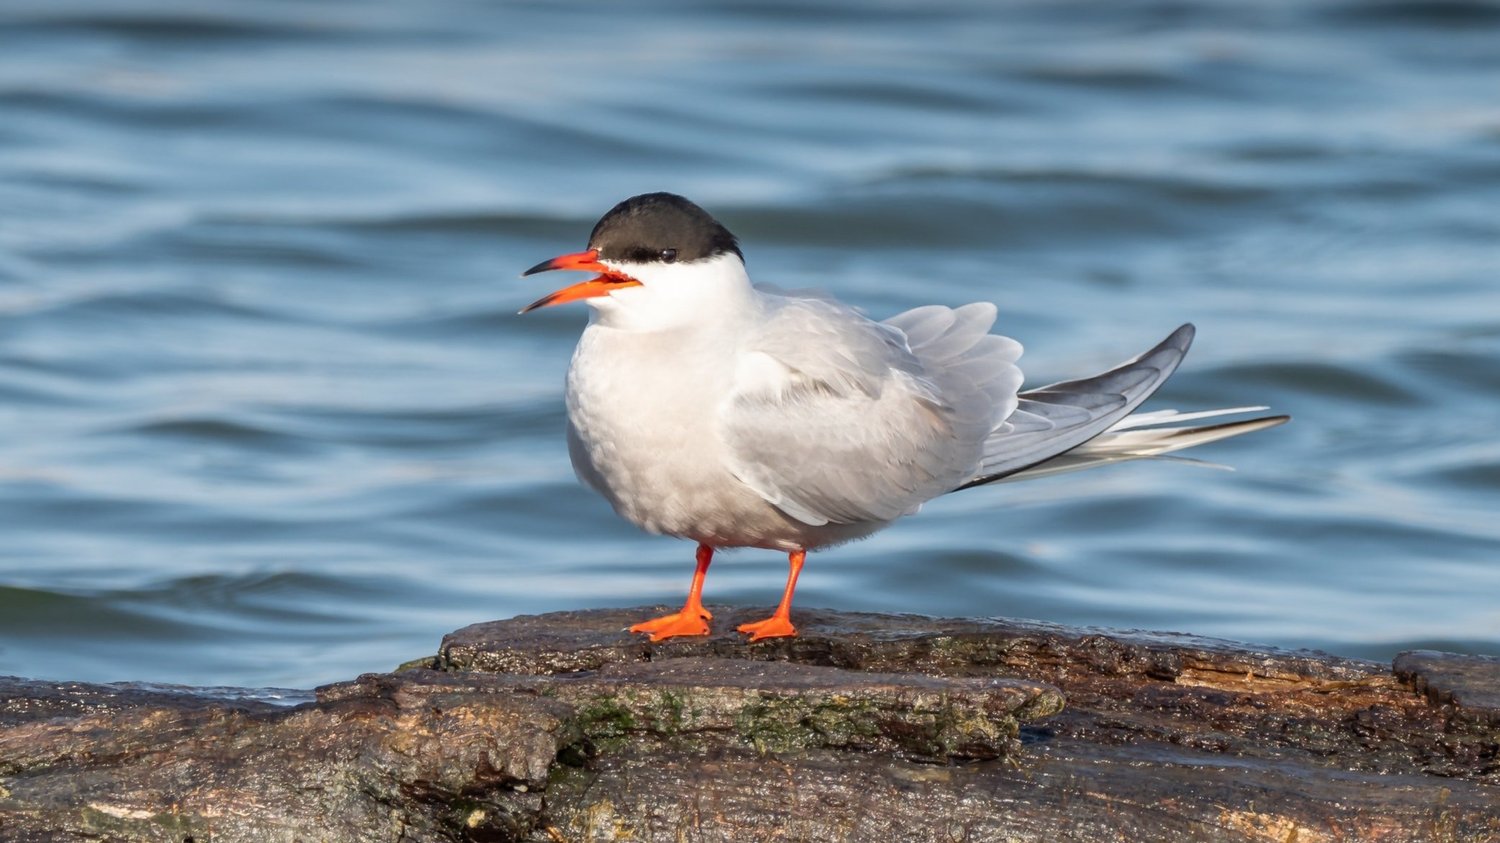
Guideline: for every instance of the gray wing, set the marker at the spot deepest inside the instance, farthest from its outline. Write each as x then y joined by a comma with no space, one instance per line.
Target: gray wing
834,418
1057,418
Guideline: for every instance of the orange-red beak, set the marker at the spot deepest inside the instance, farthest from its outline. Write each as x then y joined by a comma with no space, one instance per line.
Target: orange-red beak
589,262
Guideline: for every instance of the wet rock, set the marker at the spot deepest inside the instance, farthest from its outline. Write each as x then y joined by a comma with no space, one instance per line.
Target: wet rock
22,699
1120,686
1470,685
767,707
865,727
371,767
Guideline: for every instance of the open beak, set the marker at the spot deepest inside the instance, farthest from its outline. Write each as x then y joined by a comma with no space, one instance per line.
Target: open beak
589,262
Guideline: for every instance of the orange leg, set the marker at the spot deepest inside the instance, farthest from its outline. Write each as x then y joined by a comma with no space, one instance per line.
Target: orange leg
779,624
693,619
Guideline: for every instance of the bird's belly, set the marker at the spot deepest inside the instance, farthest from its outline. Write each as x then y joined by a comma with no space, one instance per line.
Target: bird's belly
667,496
654,485
644,436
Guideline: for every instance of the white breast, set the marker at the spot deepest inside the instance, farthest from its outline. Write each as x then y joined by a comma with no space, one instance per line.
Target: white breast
641,433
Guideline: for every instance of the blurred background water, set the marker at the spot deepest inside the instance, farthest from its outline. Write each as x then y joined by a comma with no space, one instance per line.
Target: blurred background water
267,416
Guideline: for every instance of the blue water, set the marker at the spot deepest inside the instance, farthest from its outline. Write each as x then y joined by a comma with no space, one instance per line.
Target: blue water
267,416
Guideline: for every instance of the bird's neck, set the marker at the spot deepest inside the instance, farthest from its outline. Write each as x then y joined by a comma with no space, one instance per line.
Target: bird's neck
709,295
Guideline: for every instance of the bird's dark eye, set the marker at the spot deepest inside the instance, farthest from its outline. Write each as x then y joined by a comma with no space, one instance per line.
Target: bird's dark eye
668,255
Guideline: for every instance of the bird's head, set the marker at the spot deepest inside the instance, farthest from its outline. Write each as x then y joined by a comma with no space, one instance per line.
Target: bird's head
656,250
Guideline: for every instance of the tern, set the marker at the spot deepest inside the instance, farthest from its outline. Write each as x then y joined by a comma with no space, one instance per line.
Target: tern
703,407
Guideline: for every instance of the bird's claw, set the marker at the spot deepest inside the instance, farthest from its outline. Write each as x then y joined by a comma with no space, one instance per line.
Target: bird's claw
675,625
776,626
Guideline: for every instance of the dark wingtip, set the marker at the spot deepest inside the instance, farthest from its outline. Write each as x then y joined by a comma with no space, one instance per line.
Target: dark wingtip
1183,336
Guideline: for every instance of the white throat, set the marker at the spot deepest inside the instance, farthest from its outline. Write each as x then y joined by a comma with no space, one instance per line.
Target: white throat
675,295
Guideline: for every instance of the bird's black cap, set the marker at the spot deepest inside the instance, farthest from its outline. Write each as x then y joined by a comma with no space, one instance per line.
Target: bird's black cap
662,228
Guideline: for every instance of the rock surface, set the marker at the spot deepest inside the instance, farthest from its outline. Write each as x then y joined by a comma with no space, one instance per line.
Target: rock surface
865,727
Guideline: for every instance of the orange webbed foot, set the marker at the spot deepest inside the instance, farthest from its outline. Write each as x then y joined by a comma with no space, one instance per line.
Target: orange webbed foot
776,626
675,625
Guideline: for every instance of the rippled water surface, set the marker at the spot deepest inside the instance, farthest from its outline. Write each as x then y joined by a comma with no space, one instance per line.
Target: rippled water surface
267,416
